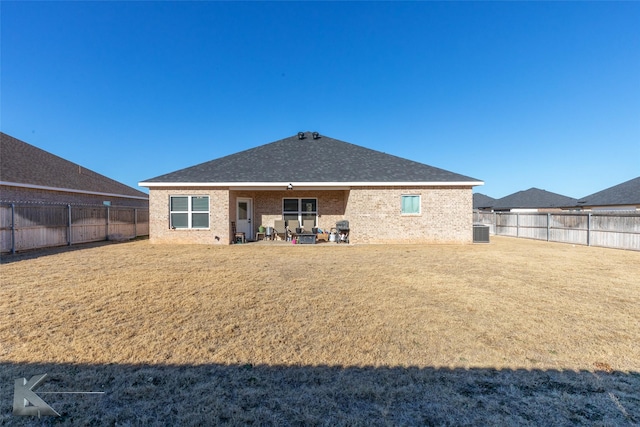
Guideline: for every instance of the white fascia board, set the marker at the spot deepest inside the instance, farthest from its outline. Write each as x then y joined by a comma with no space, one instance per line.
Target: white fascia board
308,185
69,190
615,208
524,210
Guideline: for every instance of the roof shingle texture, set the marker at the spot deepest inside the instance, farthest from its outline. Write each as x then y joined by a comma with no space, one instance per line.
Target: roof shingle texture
310,160
534,198
482,201
25,164
627,193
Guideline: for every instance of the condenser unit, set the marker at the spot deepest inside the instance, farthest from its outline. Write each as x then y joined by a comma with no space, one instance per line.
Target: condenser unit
480,233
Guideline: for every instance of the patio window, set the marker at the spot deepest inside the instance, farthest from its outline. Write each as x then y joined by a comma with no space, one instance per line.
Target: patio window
410,204
189,211
300,209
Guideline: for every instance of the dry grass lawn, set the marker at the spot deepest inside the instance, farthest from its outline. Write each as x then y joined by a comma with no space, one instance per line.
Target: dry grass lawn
514,332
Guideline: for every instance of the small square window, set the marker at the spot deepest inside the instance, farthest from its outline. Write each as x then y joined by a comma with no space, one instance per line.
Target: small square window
410,205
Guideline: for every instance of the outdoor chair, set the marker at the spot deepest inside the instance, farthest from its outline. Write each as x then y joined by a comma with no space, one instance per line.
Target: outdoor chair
279,229
293,225
238,236
308,225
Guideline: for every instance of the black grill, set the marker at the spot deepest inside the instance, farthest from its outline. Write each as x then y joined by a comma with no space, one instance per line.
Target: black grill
342,225
343,231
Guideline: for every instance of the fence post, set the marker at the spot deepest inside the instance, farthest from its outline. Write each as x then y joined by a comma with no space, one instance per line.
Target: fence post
548,226
69,233
589,229
13,228
107,225
135,222
495,223
517,225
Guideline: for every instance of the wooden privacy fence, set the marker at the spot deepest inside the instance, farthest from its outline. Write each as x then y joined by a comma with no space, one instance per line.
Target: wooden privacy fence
609,230
31,226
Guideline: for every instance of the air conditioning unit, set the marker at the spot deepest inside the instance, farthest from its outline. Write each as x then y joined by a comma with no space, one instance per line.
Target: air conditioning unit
480,233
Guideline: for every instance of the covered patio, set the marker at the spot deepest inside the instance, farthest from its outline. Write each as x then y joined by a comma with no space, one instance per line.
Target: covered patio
254,209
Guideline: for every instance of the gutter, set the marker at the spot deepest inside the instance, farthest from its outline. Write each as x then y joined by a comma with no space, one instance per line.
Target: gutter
309,185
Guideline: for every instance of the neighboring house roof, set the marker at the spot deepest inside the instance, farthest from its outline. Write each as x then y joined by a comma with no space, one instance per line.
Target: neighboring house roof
23,165
481,201
311,161
627,193
534,198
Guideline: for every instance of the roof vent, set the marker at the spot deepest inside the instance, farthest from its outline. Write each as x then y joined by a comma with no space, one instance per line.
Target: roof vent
300,135
316,135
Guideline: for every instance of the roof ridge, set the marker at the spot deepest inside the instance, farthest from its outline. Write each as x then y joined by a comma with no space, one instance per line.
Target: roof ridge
324,159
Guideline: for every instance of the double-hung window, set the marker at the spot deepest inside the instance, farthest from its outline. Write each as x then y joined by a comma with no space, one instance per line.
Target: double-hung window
189,211
300,209
410,204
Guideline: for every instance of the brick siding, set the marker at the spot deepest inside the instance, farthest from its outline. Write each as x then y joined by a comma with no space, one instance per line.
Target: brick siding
374,214
446,215
219,224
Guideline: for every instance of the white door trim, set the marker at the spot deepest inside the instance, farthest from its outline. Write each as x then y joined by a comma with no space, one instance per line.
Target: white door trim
245,224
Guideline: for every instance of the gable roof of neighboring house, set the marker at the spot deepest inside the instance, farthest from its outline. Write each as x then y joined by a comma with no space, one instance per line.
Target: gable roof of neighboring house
481,201
627,193
313,162
534,198
23,165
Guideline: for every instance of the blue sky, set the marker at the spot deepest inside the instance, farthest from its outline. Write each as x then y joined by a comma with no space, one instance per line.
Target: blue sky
517,94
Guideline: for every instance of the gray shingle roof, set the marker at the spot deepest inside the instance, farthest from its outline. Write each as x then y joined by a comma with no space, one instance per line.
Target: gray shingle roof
310,160
481,201
23,163
534,198
627,193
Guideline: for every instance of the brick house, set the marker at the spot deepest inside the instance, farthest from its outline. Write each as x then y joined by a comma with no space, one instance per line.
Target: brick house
386,199
621,197
30,175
